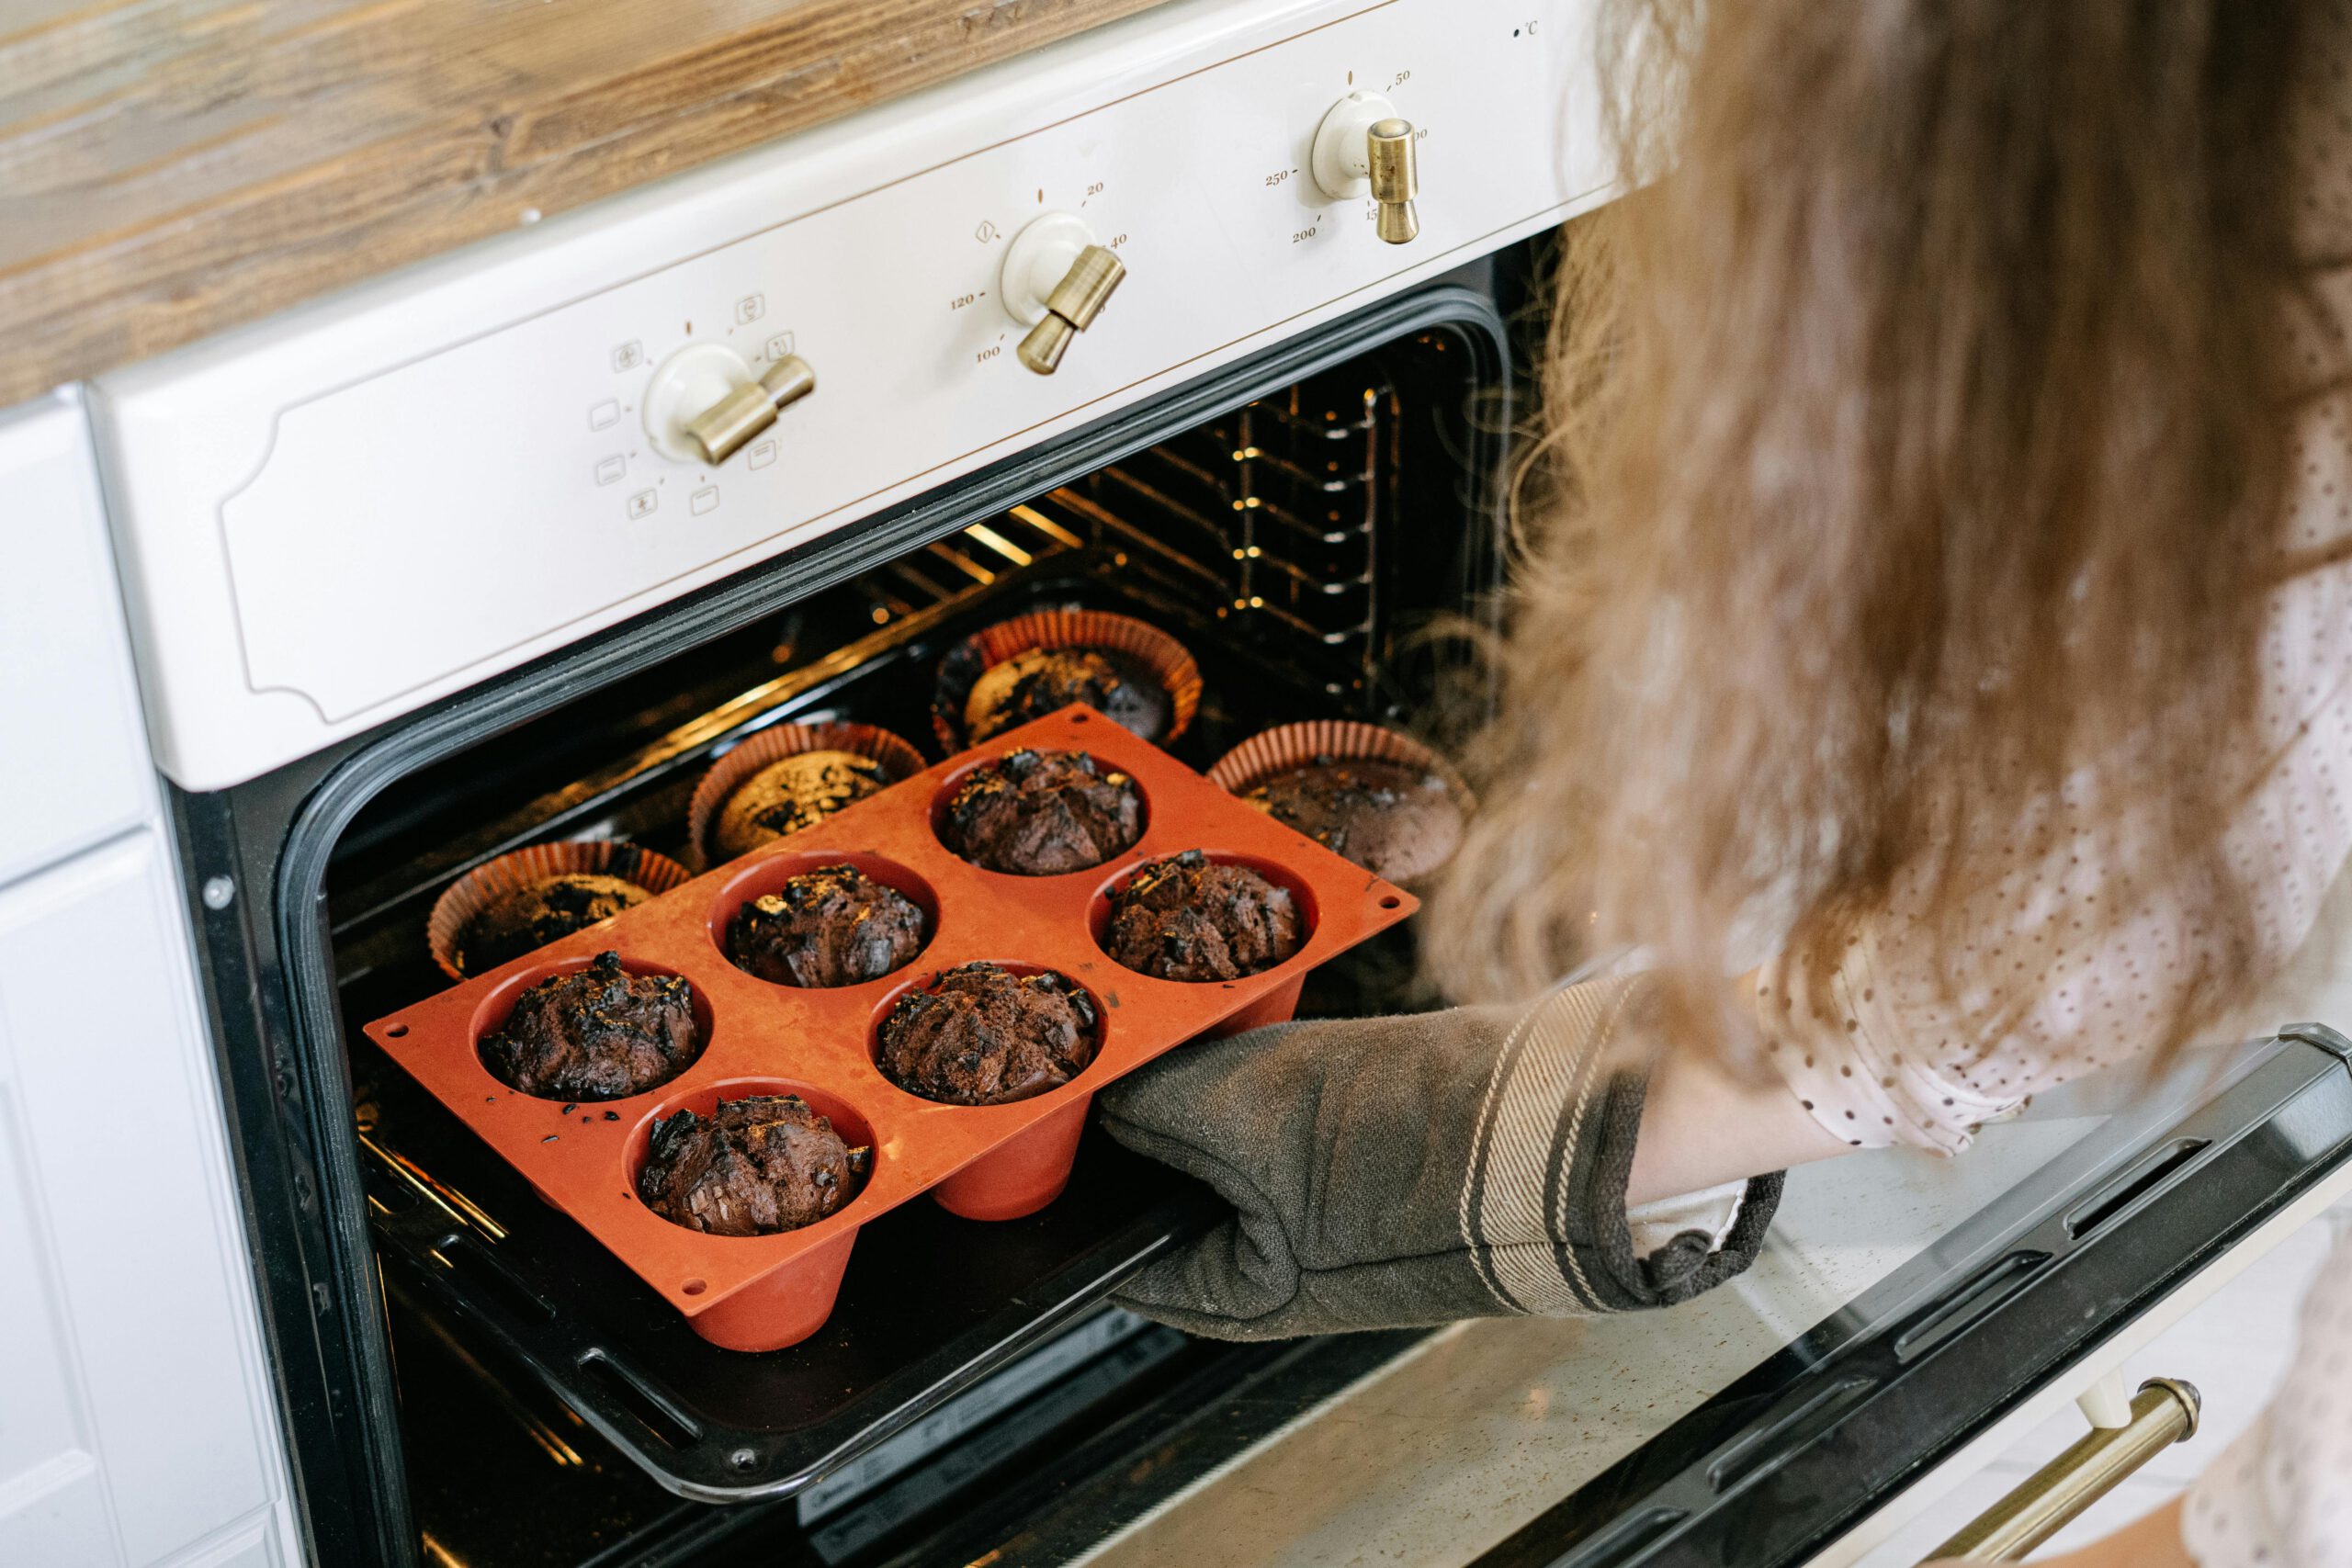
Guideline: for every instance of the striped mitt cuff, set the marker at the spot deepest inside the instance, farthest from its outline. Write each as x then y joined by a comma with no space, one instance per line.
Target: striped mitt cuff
1398,1172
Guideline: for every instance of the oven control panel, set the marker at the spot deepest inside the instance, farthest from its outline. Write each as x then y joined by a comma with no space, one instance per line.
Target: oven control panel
364,505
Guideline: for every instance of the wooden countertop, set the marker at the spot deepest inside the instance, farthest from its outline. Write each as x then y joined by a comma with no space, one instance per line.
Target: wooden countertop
171,167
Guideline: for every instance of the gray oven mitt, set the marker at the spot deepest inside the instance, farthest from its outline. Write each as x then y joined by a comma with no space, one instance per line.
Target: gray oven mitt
1398,1172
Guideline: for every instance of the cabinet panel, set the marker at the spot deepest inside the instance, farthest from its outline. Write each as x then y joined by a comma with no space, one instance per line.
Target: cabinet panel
65,682
255,1546
56,1516
111,1137
51,1506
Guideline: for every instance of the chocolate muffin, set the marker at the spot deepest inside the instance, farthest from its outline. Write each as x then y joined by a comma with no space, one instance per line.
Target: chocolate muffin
1394,821
1190,918
1045,679
596,1034
1042,813
535,915
980,1035
753,1166
832,926
790,794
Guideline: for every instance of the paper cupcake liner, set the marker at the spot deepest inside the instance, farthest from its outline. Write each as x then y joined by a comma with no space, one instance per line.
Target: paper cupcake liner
493,880
1337,740
1168,661
899,759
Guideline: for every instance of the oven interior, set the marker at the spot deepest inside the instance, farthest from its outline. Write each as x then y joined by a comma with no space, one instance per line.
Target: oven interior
1326,550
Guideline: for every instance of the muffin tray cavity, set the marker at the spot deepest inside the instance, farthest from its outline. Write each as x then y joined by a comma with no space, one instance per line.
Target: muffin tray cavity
990,1162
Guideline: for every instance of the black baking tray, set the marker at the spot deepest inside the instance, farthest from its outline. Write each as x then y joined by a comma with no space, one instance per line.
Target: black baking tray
931,1303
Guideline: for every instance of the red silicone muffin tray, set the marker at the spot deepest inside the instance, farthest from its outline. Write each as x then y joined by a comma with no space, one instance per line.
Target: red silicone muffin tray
989,1162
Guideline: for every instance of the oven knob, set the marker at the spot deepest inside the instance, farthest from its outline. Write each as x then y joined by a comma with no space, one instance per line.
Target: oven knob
1054,281
706,401
1364,147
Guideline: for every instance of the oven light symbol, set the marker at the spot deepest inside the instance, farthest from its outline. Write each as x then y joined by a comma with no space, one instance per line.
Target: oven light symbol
642,503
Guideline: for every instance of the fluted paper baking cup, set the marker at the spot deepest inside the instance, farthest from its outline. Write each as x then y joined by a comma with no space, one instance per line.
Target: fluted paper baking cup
1168,662
468,896
1301,745
899,759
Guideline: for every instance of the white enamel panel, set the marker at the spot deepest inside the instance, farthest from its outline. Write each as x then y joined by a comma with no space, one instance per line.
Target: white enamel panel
254,1544
51,1506
334,519
65,685
135,1304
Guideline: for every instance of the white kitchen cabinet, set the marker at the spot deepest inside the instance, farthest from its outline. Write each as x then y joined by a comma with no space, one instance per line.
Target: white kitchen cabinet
136,1426
67,703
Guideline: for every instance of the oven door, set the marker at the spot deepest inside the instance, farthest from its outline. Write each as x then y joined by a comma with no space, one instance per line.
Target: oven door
467,1376
1908,1318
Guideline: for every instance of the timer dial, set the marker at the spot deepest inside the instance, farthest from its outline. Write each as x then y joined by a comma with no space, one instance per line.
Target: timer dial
1054,281
1365,148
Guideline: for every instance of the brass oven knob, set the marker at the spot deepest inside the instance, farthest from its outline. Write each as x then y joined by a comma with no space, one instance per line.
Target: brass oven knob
1055,281
705,401
1072,307
1395,180
721,429
1366,147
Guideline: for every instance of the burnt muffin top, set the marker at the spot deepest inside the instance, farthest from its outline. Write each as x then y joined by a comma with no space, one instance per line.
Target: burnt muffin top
1042,813
753,1166
790,794
1047,680
595,1034
1394,821
530,917
980,1035
832,926
1190,918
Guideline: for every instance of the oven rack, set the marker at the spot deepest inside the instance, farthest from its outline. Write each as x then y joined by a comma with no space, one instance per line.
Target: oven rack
1322,620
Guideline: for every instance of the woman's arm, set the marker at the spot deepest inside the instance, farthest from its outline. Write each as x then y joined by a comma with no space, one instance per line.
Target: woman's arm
1702,1125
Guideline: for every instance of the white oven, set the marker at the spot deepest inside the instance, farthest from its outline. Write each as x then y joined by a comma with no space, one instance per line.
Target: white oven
1215,317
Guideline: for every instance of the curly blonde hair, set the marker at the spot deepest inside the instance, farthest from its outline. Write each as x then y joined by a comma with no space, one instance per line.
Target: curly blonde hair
1913,437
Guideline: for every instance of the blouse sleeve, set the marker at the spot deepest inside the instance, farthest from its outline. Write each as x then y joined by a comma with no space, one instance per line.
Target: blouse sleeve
2277,1497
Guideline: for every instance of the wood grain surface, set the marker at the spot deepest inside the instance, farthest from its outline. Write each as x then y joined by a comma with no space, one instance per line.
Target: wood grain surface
171,167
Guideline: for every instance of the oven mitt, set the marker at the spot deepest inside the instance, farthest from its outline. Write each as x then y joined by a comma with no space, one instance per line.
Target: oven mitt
1400,1172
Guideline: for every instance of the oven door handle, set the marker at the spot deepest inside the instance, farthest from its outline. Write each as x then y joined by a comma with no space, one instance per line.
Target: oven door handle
2163,1413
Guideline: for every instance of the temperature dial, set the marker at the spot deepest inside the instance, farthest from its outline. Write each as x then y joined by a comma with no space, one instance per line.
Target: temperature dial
706,401
1056,280
1363,147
